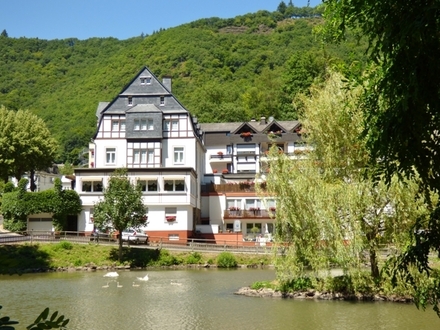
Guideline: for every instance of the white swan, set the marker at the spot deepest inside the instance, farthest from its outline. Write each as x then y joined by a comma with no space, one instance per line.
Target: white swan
111,274
175,283
145,278
118,285
134,284
105,286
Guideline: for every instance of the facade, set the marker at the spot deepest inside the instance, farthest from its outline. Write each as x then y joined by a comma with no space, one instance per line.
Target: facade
193,175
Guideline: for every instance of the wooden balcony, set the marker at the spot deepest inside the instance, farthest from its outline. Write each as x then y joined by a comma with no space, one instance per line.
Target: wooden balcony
248,214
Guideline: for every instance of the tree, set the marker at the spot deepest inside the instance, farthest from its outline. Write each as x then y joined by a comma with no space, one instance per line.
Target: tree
26,144
122,206
402,104
327,209
4,34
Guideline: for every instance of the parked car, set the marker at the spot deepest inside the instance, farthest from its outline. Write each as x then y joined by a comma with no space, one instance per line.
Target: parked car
98,235
135,236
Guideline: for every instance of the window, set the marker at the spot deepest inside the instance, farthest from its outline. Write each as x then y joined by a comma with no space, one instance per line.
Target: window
253,203
162,100
170,214
118,125
130,100
178,155
143,156
150,125
229,149
174,185
92,186
148,185
110,156
174,125
171,125
140,124
115,125
145,80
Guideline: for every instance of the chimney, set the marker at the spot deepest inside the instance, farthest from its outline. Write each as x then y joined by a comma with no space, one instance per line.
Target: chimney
263,121
166,81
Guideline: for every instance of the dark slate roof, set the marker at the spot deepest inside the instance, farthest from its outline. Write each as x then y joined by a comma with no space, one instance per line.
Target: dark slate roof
288,126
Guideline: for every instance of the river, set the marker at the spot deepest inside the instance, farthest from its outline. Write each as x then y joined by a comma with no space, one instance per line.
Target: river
190,299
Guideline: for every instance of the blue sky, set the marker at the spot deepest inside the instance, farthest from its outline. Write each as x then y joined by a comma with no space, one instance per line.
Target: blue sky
122,19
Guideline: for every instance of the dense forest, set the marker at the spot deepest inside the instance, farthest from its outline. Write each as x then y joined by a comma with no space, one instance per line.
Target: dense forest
222,69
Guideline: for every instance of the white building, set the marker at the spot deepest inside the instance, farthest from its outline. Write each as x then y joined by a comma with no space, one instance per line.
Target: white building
197,178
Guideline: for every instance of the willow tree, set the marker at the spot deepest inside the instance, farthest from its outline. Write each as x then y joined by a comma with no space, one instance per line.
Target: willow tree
328,210
122,206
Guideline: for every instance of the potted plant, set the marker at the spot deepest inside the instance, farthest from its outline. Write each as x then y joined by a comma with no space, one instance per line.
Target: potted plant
170,218
225,171
246,134
214,170
220,153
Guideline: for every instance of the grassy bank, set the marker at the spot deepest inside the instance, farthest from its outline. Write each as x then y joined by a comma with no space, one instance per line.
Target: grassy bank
26,257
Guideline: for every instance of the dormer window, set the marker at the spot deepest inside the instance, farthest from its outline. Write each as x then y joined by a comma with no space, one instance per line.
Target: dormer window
130,100
162,100
145,80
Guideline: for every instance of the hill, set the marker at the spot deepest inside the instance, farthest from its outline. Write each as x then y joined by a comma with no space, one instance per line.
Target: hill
222,69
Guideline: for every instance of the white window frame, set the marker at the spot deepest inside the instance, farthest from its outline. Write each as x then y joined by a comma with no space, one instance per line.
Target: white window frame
130,100
162,101
95,186
110,156
173,183
174,125
150,124
146,184
179,155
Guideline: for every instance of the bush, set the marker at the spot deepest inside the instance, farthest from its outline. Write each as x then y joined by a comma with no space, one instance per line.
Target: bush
226,260
297,284
63,245
194,258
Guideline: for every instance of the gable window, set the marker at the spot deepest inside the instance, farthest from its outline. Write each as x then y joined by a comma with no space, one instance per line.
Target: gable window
130,100
174,185
145,80
118,125
162,100
110,156
148,185
179,154
174,125
91,185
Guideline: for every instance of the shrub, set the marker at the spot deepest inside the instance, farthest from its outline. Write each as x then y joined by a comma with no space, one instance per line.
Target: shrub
63,245
226,260
297,284
194,258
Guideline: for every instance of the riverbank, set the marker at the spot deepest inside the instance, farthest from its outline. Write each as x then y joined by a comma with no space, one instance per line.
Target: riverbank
316,295
66,256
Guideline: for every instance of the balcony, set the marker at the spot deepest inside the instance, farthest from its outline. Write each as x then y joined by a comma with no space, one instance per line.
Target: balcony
230,187
248,214
220,158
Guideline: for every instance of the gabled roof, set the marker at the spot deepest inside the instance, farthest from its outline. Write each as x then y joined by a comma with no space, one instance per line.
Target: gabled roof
245,127
255,126
143,108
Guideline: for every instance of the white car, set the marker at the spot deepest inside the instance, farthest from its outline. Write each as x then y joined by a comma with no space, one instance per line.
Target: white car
135,236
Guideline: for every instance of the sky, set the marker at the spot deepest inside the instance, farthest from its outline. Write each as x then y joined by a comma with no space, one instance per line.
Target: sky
121,19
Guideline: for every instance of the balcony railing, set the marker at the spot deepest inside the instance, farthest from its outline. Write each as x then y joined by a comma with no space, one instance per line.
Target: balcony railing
248,214
232,187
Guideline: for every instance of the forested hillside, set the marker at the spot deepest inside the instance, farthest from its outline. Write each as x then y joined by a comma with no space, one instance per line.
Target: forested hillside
222,70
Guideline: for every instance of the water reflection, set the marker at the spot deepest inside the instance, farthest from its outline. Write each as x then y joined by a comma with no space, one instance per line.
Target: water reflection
189,299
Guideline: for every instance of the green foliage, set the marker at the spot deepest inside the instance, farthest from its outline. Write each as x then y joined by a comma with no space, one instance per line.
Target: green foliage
226,260
168,259
122,206
25,143
63,245
262,285
194,258
19,204
42,322
231,57
296,284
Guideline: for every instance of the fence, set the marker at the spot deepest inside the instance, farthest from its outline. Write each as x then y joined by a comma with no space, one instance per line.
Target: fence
190,244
